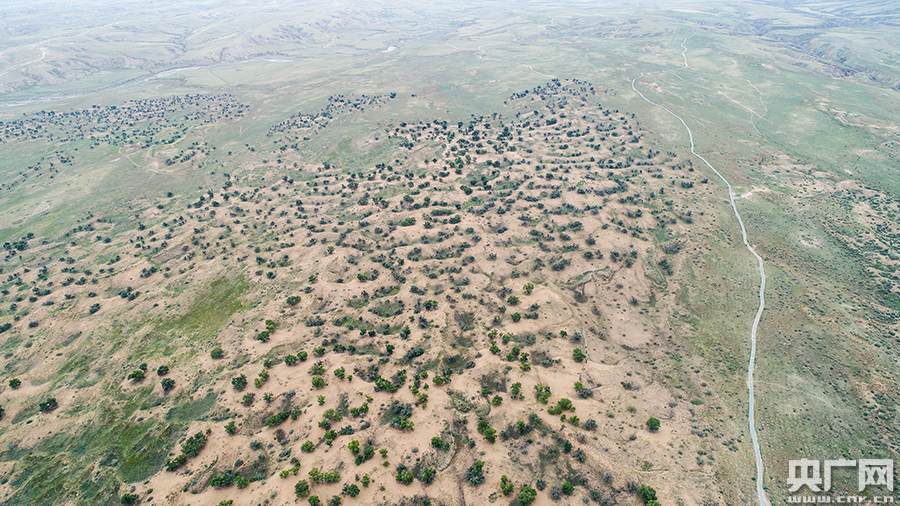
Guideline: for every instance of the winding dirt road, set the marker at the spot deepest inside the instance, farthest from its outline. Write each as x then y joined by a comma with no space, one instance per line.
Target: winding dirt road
760,492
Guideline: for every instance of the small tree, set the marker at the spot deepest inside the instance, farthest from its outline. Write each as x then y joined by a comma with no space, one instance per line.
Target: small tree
475,473
15,383
653,424
217,353
301,489
404,475
192,445
48,405
168,384
647,494
506,485
352,490
527,495
239,382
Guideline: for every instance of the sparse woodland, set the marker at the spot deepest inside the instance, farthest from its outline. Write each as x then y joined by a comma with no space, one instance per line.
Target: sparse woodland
455,322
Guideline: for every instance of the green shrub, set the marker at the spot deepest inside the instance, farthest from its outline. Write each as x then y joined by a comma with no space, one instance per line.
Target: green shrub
173,464
527,495
367,453
192,446
578,355
301,489
48,405
261,379
222,480
475,473
277,419
404,475
542,393
646,493
506,486
428,475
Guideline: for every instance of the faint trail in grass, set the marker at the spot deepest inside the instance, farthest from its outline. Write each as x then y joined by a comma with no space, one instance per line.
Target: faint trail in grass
128,157
751,416
479,53
765,108
43,51
751,111
761,101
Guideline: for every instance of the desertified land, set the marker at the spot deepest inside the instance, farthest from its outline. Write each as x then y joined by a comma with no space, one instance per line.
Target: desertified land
408,254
